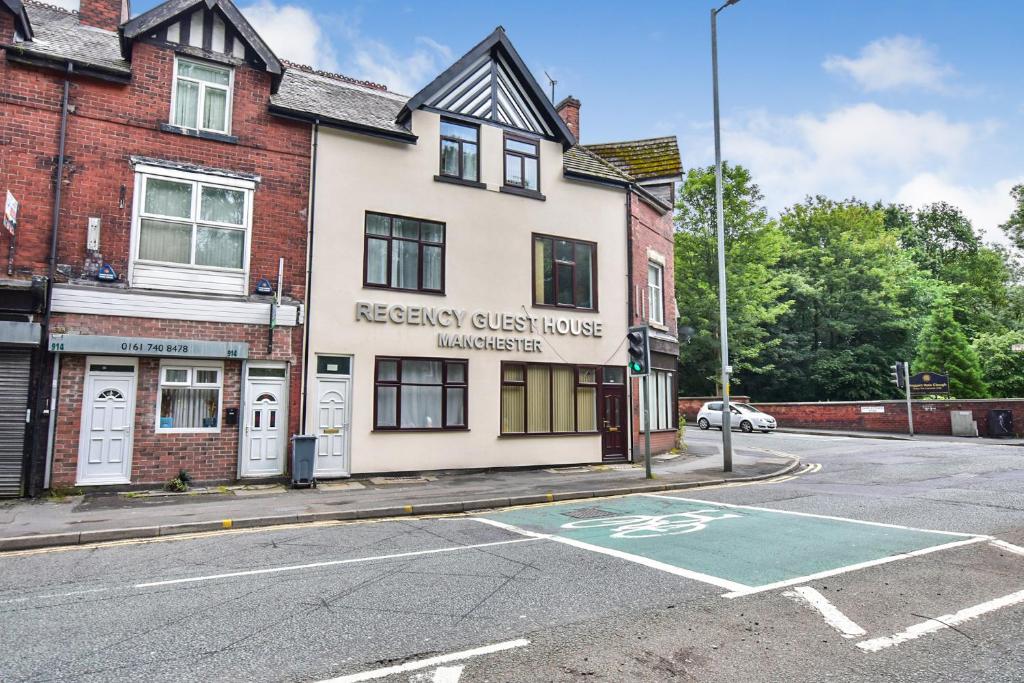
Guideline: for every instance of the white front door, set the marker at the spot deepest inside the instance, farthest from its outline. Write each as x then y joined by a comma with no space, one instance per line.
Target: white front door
332,427
265,442
108,411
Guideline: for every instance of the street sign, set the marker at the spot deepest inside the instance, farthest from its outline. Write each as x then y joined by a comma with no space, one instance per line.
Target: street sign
10,212
924,383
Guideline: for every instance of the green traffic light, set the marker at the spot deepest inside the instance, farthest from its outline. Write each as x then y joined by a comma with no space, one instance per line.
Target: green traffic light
635,367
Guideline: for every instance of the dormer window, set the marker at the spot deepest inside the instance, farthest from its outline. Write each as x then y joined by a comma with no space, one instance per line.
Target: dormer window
201,98
459,145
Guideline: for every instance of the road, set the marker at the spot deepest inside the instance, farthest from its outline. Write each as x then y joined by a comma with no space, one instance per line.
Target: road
904,563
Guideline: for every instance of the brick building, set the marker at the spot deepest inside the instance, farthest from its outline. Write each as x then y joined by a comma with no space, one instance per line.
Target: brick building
650,168
173,229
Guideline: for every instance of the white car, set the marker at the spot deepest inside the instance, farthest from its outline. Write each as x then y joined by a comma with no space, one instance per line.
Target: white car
744,416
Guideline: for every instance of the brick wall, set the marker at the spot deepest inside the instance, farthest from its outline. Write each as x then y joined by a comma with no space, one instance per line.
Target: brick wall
112,122
158,457
930,417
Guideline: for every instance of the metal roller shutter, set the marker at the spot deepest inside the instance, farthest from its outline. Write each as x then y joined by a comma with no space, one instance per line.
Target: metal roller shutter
15,371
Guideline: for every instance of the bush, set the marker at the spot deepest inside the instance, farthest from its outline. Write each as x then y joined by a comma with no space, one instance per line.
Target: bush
180,483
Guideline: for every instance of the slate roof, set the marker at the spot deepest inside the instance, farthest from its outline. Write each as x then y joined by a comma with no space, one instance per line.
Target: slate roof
643,159
58,35
581,161
338,101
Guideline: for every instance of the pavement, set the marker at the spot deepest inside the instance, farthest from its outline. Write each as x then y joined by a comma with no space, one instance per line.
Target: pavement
103,517
876,560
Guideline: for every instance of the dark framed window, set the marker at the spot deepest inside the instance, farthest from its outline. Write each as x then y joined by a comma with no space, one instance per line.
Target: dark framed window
540,398
661,396
420,394
564,273
522,163
403,253
460,145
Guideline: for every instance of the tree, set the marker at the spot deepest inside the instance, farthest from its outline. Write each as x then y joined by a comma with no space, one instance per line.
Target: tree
754,246
856,301
1014,228
943,348
1002,368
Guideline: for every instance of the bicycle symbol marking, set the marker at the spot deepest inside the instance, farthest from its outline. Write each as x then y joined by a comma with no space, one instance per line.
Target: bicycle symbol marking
652,526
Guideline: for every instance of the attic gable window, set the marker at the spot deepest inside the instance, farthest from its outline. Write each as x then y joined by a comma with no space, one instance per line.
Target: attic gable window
201,99
459,151
522,160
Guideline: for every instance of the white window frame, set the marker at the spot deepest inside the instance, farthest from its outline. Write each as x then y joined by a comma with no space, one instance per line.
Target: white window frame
656,293
203,85
144,172
191,366
660,380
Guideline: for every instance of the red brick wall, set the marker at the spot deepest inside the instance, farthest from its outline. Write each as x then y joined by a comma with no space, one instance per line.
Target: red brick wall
158,457
105,14
6,30
112,122
930,417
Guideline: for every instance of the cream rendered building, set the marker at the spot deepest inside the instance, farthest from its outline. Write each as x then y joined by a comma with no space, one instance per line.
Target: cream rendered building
469,277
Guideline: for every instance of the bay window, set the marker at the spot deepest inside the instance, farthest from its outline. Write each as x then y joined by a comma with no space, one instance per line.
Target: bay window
548,399
662,400
564,273
403,253
201,97
420,394
189,398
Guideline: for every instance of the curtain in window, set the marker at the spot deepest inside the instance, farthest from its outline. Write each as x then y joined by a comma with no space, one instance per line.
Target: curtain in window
162,241
219,247
186,104
168,198
563,399
512,417
454,414
221,205
215,109
431,267
377,261
405,264
586,409
421,405
542,277
187,408
538,399
386,406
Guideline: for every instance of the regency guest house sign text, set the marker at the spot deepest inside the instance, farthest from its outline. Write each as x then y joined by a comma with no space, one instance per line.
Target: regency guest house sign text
480,324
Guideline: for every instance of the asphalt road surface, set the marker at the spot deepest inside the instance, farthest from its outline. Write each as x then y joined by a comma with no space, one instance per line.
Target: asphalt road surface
878,561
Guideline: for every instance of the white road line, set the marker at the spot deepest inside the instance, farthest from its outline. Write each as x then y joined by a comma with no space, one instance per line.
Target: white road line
54,595
1015,549
833,617
809,514
443,674
427,663
332,563
647,562
943,622
851,567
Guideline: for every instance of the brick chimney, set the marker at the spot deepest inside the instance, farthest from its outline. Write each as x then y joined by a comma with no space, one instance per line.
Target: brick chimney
105,14
569,110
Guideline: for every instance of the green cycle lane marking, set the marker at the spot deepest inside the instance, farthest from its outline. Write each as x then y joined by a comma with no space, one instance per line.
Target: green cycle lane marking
741,548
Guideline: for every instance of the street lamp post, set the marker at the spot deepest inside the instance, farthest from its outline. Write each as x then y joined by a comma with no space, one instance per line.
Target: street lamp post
722,307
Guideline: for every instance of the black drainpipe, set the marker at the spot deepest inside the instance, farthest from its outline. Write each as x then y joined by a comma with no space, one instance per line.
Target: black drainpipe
37,464
309,280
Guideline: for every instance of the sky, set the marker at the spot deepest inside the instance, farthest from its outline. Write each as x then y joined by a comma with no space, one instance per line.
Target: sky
912,101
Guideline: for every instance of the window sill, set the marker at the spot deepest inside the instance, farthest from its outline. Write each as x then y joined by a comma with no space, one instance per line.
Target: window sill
419,430
547,434
385,288
574,309
202,134
518,191
460,181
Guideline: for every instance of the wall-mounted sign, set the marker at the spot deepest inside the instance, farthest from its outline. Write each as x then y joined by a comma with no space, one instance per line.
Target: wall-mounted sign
142,346
924,383
1017,348
481,325
10,212
872,409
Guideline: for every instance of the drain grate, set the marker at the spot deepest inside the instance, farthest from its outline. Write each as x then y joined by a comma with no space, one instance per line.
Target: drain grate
589,513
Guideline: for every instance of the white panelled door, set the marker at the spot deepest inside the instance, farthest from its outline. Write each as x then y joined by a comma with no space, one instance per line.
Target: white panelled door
108,410
266,422
332,427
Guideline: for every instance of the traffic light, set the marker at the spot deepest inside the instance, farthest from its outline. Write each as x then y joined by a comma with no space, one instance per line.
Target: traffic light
896,374
639,350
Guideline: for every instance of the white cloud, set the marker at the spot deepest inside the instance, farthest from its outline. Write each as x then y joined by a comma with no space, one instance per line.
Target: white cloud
864,151
891,63
293,33
402,73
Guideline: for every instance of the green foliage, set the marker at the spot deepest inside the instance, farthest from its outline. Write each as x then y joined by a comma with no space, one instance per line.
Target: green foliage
1001,367
944,348
755,287
1014,227
852,287
180,483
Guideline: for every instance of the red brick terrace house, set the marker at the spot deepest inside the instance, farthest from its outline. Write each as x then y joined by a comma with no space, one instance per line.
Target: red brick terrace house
650,169
175,241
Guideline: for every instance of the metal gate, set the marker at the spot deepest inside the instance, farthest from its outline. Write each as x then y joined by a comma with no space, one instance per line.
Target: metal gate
15,371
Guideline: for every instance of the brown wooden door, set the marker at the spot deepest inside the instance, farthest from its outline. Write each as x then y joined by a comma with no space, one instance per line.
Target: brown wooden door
613,422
